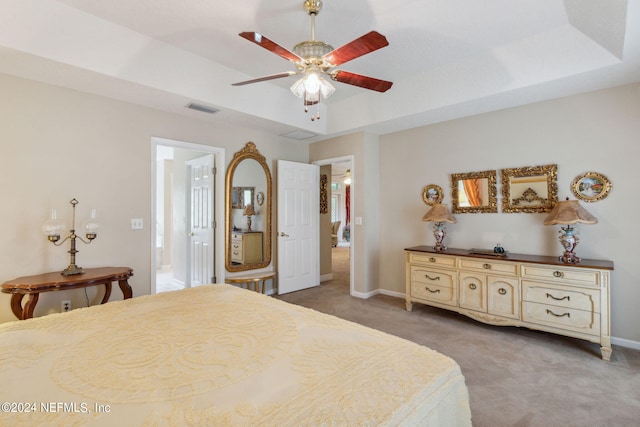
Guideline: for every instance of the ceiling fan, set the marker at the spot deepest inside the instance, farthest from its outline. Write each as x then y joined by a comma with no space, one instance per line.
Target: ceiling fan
315,59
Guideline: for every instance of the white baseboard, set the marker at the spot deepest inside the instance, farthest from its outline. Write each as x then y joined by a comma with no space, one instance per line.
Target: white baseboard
364,295
625,343
325,277
376,292
392,293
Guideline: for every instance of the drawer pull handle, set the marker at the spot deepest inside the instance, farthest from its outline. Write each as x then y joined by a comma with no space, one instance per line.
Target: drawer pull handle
437,291
472,286
432,259
486,266
432,278
558,273
559,315
568,298
502,291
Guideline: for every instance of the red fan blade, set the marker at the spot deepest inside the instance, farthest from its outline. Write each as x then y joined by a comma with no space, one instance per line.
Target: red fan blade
265,78
360,80
358,47
271,46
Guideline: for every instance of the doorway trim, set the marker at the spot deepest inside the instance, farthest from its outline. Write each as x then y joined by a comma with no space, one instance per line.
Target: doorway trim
353,236
219,162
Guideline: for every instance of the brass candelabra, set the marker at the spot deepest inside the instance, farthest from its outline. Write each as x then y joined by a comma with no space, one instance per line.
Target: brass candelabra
53,228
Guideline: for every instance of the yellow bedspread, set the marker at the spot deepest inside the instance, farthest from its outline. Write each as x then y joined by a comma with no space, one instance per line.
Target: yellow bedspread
217,355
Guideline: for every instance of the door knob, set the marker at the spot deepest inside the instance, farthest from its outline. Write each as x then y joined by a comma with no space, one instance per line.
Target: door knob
283,234
192,234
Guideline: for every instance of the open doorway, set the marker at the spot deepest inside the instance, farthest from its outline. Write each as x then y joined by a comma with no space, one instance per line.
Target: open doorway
338,223
180,256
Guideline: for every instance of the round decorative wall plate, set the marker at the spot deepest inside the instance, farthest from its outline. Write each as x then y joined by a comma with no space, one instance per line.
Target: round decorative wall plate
432,194
260,198
591,186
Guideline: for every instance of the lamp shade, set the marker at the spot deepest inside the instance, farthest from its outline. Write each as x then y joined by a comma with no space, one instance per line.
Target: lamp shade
569,212
439,213
248,210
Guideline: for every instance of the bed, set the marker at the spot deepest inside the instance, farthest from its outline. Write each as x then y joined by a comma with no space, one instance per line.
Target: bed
219,355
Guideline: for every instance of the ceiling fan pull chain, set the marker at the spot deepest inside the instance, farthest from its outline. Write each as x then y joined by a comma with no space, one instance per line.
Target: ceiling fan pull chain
315,116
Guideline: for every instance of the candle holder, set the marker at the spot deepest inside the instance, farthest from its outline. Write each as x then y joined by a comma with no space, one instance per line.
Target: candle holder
53,229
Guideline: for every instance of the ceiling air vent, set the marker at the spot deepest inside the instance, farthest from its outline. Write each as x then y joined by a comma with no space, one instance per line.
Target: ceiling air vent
202,108
300,134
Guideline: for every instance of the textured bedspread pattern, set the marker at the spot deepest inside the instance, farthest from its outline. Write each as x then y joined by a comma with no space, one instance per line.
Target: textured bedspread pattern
218,355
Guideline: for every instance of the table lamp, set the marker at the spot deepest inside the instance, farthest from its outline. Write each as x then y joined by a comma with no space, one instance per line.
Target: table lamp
53,228
248,211
569,212
439,214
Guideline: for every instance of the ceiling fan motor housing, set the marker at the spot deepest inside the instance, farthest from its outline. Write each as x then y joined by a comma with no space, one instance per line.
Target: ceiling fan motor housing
312,51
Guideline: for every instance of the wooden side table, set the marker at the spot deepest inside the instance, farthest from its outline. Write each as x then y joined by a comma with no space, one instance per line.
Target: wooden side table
32,286
255,282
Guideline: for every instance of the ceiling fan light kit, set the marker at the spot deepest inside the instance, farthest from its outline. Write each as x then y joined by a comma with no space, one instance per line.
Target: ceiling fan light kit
314,59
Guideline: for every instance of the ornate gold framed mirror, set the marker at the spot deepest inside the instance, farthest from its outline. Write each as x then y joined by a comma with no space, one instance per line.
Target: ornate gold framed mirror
474,192
248,224
529,189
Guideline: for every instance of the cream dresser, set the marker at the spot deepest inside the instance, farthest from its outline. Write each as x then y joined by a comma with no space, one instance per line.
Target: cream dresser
246,247
536,292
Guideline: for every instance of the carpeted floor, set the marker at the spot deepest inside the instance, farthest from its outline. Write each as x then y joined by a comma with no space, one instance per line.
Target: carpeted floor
516,377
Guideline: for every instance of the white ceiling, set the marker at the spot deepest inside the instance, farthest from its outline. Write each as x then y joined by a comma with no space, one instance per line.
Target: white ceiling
447,59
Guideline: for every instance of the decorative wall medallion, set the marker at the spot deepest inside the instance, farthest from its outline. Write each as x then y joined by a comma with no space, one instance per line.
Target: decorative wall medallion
260,198
432,194
591,186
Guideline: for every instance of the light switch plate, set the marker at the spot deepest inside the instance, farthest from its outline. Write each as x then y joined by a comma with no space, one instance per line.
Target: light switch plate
137,224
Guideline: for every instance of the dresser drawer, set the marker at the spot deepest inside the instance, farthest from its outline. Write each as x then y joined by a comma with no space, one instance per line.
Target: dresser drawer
434,285
561,274
432,259
236,251
586,322
559,296
429,276
441,294
489,266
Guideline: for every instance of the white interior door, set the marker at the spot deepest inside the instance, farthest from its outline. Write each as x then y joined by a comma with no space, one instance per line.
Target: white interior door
201,248
298,228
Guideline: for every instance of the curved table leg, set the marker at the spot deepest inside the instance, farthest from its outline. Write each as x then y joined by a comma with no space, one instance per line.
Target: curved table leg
107,292
16,305
29,306
126,289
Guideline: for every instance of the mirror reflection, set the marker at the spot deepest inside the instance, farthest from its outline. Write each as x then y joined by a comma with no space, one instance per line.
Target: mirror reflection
474,192
529,189
241,197
248,234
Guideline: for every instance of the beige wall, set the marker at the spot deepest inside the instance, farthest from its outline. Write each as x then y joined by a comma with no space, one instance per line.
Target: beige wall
365,181
597,131
57,144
